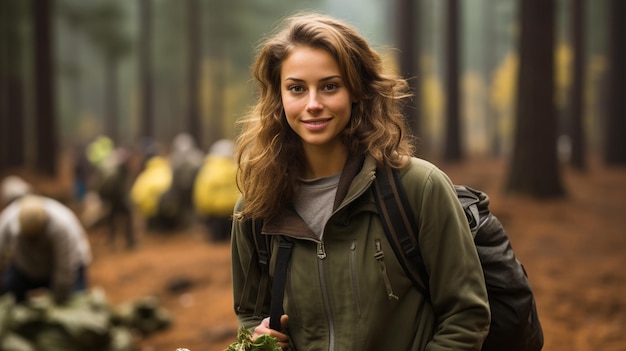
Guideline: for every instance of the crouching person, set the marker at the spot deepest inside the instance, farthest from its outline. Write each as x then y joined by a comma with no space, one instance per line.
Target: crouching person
42,246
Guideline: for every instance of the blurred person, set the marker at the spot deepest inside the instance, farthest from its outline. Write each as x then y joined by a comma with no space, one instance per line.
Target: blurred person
98,150
185,160
87,164
12,188
42,246
326,119
215,190
82,170
146,192
162,190
113,187
148,148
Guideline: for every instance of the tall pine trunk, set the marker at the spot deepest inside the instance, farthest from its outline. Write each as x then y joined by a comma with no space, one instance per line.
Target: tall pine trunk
45,107
11,86
145,69
194,127
111,99
534,168
577,106
615,148
452,149
406,36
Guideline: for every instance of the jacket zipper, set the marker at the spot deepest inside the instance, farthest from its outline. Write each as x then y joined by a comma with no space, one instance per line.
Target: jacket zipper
321,254
321,251
379,255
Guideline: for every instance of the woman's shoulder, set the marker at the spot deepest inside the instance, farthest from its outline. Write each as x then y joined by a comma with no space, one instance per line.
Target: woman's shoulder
420,168
419,172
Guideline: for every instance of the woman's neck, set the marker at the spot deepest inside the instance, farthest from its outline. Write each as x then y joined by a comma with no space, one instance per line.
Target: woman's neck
323,162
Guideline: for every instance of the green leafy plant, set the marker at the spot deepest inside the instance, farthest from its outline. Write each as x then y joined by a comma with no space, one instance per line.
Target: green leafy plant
245,343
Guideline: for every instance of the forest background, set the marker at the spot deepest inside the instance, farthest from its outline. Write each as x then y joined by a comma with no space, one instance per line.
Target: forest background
71,70
517,97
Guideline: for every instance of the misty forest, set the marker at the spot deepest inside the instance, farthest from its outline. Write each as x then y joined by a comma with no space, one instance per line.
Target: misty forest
525,99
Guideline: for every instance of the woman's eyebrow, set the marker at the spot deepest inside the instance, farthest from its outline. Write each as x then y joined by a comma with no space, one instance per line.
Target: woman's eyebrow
321,80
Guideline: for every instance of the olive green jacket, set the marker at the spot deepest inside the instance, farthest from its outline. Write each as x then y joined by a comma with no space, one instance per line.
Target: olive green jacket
349,292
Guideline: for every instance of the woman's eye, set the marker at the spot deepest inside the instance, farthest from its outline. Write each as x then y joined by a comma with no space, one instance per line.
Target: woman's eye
295,89
330,86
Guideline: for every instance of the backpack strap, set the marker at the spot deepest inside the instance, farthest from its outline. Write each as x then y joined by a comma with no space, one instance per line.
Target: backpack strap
278,285
262,248
262,243
400,226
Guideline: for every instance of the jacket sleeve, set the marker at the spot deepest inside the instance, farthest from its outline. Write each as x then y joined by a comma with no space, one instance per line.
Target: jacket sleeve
246,274
457,285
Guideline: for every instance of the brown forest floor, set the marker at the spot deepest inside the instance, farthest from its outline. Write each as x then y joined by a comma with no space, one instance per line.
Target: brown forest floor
574,250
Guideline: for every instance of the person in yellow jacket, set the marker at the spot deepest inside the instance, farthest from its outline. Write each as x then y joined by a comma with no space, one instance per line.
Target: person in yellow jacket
148,188
215,190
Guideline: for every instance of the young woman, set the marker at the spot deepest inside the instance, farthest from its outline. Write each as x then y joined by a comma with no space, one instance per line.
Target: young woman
326,117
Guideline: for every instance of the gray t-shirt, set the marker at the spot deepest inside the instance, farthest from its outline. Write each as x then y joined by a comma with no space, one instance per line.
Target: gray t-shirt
315,201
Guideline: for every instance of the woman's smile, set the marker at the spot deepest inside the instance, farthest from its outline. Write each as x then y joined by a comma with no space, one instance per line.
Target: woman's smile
317,124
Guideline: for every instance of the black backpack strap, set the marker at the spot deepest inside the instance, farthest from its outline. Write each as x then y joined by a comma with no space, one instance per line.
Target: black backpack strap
278,285
262,243
400,225
262,247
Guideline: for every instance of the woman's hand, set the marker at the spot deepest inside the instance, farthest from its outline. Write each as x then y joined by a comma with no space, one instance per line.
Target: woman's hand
264,329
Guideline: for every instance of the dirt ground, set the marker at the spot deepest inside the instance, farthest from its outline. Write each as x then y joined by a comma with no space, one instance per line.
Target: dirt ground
574,250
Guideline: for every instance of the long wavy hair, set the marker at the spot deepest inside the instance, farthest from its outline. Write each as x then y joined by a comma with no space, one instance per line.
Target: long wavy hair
270,153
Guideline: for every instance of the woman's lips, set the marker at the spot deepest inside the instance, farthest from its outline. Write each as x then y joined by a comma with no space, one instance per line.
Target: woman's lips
316,124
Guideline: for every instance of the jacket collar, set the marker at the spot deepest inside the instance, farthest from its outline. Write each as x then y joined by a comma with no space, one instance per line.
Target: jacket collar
356,177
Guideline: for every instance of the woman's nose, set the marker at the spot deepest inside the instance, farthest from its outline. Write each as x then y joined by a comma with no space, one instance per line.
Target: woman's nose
314,103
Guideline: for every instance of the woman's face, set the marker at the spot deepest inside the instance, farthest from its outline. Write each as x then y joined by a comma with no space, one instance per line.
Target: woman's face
316,101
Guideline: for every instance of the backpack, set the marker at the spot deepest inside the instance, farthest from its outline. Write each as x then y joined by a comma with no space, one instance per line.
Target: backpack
515,323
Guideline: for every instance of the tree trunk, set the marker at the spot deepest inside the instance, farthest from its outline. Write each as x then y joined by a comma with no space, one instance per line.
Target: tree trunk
194,127
490,51
111,107
145,69
577,106
453,138
45,112
407,34
214,130
217,51
615,149
534,168
11,87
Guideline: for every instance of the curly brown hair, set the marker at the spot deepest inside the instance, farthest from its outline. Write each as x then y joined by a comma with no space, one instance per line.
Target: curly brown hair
269,152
